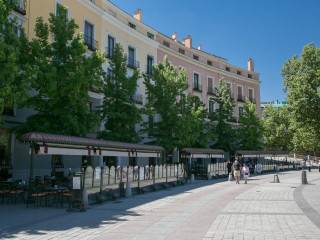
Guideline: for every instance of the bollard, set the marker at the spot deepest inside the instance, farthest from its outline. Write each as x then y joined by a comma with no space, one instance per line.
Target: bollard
304,177
230,177
192,178
85,201
276,178
209,176
128,190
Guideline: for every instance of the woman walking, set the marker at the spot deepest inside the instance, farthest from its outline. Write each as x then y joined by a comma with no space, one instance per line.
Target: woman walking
237,171
246,172
308,164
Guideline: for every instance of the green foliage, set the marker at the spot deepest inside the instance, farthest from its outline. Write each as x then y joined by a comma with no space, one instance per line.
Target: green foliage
165,89
194,130
225,135
276,124
250,130
14,70
64,74
302,85
118,108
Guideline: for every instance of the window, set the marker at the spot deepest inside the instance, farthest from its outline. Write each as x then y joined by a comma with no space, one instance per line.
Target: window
16,30
240,111
181,51
149,64
131,58
249,76
59,5
195,57
211,107
227,69
132,25
240,95
166,44
209,63
238,72
196,82
210,86
109,161
251,95
150,35
88,35
230,87
110,48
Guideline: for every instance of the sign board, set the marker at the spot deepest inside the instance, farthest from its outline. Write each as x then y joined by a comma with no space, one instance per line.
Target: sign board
76,183
141,177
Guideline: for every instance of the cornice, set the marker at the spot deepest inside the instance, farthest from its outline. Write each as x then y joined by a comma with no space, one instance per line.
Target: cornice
205,66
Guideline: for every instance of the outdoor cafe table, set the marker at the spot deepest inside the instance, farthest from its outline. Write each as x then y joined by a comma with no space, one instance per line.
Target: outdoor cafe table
58,197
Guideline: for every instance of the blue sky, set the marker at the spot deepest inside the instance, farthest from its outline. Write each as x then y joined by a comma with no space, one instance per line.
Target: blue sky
268,31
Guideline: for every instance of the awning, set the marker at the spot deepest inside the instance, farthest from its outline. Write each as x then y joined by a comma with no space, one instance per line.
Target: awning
201,153
253,153
52,144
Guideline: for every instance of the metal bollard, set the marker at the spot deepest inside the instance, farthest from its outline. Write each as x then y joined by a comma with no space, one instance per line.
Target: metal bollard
128,190
192,178
230,177
304,177
276,178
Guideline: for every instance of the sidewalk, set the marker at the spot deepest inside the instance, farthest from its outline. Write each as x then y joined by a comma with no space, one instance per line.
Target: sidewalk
204,210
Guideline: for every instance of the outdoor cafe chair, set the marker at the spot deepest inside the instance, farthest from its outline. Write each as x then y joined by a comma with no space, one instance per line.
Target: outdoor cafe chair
17,191
4,191
36,194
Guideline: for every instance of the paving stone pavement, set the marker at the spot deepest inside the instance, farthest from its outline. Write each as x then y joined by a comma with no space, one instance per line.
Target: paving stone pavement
204,210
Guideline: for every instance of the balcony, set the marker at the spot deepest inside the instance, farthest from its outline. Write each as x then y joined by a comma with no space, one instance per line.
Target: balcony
137,98
149,70
21,7
253,100
211,91
109,52
241,98
132,63
92,44
197,87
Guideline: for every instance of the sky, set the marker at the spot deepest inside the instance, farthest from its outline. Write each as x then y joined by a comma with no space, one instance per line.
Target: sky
268,31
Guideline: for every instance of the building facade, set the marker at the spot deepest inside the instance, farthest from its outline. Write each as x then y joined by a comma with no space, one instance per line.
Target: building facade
103,25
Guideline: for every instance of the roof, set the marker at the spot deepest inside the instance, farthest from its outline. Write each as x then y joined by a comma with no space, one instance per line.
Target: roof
261,153
201,150
85,142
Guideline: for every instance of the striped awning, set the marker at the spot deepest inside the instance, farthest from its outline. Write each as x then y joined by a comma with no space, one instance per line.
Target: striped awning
253,153
201,153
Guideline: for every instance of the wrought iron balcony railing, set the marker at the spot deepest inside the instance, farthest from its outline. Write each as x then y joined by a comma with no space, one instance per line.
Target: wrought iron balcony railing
241,98
21,7
197,87
253,100
211,91
109,52
132,63
92,44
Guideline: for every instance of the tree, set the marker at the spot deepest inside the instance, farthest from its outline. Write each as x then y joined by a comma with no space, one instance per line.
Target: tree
194,129
14,70
302,85
250,130
118,107
225,135
64,76
165,89
277,133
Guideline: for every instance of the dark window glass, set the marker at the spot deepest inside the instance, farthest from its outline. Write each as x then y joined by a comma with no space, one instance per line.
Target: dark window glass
88,33
209,63
132,25
195,57
166,44
227,69
181,51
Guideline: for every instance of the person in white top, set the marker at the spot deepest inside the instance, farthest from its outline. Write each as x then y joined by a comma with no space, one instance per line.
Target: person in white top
308,164
246,172
319,165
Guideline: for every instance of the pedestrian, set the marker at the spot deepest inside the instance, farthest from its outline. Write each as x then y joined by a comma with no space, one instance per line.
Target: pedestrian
308,164
229,166
319,165
237,171
246,172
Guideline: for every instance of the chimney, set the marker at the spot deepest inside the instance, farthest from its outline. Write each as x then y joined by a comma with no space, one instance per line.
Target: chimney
199,47
250,65
188,41
175,37
138,15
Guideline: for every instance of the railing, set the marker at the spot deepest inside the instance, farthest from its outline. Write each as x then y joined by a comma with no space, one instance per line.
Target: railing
137,98
92,44
197,88
149,70
132,63
211,91
21,7
253,100
241,98
109,52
